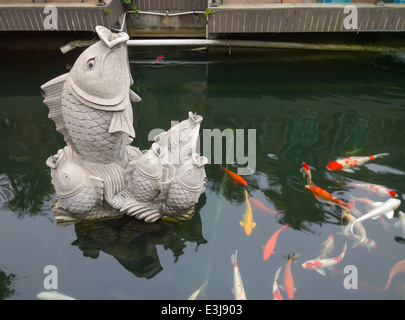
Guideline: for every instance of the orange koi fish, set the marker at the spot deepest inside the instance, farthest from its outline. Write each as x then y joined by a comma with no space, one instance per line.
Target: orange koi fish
397,268
276,291
160,58
235,177
288,279
347,164
271,243
262,206
306,172
323,195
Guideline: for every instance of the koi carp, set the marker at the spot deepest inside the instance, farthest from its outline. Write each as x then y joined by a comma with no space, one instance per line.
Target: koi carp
374,188
238,289
319,265
195,294
327,246
387,209
361,232
347,164
235,177
401,222
288,279
261,206
323,195
276,291
306,171
160,58
271,243
247,223
396,268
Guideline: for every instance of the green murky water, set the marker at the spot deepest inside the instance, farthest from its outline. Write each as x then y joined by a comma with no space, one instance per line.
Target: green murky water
304,106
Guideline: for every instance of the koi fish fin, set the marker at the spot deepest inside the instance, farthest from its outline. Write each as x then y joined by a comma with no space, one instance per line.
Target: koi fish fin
389,215
321,271
253,224
380,155
349,170
241,223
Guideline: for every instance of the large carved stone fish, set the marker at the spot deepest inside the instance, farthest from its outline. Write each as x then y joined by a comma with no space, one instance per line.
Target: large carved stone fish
91,105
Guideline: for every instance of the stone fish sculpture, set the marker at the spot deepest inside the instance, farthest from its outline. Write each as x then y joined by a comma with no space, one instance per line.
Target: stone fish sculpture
99,174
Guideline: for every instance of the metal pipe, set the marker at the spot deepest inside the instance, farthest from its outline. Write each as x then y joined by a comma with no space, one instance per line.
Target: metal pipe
259,44
167,14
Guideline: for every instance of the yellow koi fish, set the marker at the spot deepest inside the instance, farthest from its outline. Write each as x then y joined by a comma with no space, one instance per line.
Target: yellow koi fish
247,223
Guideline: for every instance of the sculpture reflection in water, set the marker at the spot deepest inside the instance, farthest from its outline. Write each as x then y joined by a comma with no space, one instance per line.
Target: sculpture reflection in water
133,242
99,174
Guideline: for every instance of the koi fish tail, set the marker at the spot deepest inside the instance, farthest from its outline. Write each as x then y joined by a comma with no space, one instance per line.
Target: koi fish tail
380,155
351,208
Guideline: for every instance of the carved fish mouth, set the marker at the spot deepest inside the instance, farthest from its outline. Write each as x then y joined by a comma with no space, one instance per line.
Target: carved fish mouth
195,118
109,38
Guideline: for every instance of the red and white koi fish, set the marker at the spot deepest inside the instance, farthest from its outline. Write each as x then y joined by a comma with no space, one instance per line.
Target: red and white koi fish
323,195
374,188
319,265
306,171
288,279
327,246
396,268
256,203
271,243
247,223
347,164
238,289
160,58
235,177
387,209
276,291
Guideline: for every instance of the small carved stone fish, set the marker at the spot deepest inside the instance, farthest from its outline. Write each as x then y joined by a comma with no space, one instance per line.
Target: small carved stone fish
91,105
78,190
188,184
144,175
179,143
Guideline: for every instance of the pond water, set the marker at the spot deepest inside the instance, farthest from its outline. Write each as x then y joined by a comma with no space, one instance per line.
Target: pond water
304,106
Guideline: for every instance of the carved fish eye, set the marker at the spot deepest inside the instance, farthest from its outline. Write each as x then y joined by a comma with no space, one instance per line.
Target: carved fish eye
90,63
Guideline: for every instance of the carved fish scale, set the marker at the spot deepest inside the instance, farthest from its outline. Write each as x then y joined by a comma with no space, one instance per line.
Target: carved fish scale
88,130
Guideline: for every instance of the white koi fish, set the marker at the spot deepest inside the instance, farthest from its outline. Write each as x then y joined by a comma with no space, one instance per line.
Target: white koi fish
386,208
276,291
360,231
197,292
327,246
375,189
401,223
53,295
238,289
367,243
347,164
319,265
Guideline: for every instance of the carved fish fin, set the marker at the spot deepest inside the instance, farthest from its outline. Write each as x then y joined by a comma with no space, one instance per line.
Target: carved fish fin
122,121
134,97
53,94
98,184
